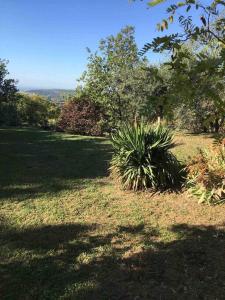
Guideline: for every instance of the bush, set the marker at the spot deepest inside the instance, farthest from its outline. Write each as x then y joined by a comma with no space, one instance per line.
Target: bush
206,175
81,116
36,110
142,158
8,114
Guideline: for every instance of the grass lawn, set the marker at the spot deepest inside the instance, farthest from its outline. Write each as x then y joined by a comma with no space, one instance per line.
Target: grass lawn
68,232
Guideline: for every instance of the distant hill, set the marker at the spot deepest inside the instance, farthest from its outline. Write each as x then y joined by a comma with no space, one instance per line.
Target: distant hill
56,95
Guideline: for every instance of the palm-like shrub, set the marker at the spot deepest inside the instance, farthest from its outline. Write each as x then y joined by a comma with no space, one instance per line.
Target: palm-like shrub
142,157
206,175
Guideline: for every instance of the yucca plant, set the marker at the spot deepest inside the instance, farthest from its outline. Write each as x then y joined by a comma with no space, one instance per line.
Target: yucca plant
206,174
142,158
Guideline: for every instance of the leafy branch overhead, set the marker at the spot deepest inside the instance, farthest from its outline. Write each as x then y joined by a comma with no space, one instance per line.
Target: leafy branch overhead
206,34
211,25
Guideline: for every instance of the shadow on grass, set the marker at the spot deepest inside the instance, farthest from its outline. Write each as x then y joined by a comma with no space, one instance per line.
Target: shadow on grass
35,162
76,261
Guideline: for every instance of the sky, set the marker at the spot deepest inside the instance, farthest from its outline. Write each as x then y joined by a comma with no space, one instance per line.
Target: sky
45,40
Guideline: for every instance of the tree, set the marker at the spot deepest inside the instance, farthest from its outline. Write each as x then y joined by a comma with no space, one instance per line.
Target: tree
158,104
8,97
197,77
210,32
36,110
116,77
211,27
81,116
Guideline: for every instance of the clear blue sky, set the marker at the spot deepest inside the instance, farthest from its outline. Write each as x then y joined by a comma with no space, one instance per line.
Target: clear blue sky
45,40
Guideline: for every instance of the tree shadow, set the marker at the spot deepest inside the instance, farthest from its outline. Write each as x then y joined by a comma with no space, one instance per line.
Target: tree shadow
76,261
35,162
191,267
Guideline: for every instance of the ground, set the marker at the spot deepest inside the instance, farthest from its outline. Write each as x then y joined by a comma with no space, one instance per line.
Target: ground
68,232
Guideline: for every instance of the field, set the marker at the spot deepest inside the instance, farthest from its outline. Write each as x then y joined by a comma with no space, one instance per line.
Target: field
68,232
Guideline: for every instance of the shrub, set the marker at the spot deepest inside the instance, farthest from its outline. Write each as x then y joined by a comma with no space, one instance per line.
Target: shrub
142,157
36,110
81,116
8,114
206,175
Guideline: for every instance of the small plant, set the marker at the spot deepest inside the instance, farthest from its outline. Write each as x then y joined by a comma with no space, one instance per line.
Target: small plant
206,174
142,157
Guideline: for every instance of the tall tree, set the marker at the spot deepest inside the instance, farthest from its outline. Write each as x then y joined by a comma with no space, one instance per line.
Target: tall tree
116,76
8,97
198,75
197,86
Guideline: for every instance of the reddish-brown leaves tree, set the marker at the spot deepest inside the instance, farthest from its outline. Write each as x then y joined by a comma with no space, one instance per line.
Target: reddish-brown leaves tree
81,116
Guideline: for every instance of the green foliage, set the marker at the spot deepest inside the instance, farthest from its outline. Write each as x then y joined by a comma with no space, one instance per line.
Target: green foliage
8,98
155,2
36,110
211,26
206,175
142,157
118,78
201,107
207,72
158,103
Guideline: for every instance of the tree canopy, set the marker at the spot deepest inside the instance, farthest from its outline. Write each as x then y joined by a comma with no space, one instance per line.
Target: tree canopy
8,99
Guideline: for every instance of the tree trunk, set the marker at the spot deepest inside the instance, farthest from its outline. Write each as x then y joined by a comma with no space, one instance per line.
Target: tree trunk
160,114
216,125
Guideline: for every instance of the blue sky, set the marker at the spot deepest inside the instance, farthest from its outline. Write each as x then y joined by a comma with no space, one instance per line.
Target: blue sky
45,40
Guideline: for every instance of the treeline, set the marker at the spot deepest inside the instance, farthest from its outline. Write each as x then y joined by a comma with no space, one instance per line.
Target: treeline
120,86
23,109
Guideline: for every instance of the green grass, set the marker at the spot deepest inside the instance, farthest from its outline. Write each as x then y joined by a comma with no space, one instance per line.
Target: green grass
68,232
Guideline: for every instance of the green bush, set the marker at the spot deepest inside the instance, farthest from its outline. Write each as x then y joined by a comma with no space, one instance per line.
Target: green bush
142,158
206,175
36,110
8,114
